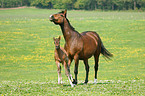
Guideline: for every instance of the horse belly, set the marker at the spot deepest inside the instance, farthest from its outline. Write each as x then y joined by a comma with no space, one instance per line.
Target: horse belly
89,49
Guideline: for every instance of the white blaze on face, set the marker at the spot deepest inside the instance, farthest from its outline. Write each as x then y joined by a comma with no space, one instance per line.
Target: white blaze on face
50,16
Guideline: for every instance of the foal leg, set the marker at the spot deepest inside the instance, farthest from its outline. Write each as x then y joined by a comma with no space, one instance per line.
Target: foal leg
69,61
96,57
59,72
87,70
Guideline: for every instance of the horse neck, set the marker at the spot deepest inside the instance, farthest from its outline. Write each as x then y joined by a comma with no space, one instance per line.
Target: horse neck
68,31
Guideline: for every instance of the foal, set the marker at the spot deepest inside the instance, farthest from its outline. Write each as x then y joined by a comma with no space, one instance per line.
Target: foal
60,56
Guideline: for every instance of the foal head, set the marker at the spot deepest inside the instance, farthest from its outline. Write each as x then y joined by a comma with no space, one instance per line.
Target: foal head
57,42
58,18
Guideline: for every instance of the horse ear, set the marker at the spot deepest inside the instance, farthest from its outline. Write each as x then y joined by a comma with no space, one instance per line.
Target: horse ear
59,37
53,38
65,11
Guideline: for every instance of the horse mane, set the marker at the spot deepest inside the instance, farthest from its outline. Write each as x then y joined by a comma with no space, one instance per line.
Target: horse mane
72,27
61,12
70,24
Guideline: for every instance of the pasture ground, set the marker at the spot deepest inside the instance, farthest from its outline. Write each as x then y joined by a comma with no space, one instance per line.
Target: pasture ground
27,64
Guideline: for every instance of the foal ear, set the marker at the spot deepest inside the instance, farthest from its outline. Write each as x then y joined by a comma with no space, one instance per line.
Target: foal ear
65,11
53,38
59,37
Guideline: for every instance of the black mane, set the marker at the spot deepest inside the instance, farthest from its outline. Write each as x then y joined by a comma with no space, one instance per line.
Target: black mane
70,25
61,12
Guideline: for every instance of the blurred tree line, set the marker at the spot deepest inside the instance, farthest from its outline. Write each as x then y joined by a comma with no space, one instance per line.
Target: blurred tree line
77,4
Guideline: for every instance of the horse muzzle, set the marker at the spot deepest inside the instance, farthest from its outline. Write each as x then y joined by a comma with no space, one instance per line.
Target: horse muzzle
57,47
51,18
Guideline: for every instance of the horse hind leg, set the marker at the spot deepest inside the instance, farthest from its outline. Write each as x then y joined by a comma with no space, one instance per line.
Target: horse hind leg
87,70
96,57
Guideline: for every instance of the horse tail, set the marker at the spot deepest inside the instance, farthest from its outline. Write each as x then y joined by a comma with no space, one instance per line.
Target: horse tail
105,52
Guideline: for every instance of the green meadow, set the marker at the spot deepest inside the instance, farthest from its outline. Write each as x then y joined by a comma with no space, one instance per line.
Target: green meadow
27,65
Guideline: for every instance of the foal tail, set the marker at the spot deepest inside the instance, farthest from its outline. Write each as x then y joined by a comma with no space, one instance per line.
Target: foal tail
105,52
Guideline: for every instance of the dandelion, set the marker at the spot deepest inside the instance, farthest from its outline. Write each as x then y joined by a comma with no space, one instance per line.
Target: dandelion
123,66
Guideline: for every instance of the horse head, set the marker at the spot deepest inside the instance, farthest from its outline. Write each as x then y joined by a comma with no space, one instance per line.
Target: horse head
58,18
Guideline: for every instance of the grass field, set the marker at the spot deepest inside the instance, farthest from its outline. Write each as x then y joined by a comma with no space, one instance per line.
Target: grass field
27,64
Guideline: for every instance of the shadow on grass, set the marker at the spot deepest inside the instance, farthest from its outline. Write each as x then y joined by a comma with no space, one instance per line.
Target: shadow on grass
65,85
95,83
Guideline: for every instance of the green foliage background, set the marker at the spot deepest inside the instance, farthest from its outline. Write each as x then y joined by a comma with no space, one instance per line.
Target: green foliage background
27,64
78,4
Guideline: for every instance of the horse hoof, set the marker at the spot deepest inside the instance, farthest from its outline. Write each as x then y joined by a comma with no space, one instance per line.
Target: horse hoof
72,85
85,83
95,81
74,82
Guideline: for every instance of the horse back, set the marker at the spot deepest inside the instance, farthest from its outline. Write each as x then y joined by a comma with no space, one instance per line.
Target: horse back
90,37
92,43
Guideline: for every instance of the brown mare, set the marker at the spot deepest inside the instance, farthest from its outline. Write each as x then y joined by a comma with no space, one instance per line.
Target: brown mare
80,46
60,56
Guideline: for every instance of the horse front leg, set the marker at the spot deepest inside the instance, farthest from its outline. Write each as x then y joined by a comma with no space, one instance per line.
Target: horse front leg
76,68
69,63
67,72
87,70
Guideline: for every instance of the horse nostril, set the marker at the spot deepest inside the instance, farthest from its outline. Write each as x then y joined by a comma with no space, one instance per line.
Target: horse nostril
57,47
